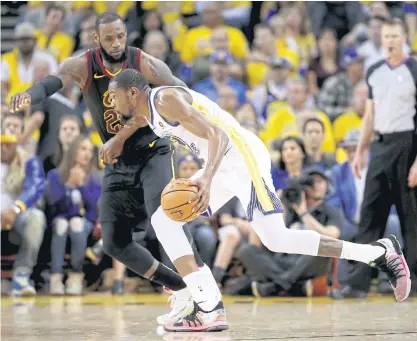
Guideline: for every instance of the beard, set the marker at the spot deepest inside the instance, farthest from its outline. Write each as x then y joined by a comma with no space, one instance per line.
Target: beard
109,58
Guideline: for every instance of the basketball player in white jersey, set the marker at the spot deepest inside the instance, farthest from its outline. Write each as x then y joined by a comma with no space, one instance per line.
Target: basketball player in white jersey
236,164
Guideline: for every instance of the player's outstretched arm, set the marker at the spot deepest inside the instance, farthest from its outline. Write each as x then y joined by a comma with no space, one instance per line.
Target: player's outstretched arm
71,70
157,72
176,108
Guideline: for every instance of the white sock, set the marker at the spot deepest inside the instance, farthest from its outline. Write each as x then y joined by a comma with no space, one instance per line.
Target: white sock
205,269
202,289
364,253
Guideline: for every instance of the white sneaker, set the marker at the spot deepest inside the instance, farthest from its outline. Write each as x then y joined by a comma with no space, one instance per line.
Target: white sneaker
75,284
181,304
56,287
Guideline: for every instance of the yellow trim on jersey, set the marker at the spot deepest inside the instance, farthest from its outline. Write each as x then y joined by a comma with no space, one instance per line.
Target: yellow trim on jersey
248,156
114,74
172,162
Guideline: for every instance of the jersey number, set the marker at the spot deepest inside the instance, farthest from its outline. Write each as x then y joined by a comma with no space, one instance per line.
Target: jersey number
112,120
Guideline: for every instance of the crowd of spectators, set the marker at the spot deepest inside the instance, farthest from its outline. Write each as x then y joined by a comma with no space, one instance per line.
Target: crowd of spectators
291,72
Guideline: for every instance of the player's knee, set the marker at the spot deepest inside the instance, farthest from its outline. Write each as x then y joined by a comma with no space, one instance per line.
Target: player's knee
109,246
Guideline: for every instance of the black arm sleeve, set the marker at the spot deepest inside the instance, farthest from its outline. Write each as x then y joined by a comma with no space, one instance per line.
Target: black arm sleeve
45,88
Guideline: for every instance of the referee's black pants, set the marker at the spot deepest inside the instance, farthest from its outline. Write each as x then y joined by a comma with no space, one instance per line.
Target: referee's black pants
386,184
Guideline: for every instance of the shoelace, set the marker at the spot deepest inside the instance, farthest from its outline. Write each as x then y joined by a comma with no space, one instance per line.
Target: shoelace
392,270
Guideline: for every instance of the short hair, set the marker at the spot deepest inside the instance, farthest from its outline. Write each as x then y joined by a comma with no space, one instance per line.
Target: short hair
11,115
56,8
396,22
313,119
107,18
130,78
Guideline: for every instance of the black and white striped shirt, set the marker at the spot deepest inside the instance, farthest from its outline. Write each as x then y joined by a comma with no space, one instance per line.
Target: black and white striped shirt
394,93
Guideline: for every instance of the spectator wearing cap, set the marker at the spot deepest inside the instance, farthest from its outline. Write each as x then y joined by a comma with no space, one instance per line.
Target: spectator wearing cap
264,51
220,76
288,118
266,95
313,136
22,185
390,116
59,44
351,118
337,92
17,65
326,64
197,40
201,67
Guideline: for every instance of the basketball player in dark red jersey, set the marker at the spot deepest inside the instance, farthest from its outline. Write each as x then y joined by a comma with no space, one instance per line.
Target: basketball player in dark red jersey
138,164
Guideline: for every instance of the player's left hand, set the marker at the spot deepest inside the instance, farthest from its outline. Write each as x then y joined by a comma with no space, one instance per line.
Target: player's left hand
111,150
203,196
8,217
412,175
301,208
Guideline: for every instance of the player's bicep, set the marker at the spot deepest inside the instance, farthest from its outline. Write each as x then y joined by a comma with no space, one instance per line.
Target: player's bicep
157,72
190,117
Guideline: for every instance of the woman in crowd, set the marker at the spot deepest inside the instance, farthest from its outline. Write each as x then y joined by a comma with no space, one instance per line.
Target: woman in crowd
72,194
292,161
326,64
70,127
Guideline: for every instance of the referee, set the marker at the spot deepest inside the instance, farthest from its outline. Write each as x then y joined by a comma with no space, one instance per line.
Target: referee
392,174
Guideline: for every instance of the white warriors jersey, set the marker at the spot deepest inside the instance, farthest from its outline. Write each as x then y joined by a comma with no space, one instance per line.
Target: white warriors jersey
245,170
177,133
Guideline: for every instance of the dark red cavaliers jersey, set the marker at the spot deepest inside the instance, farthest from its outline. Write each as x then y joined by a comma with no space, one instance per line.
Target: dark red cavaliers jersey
96,94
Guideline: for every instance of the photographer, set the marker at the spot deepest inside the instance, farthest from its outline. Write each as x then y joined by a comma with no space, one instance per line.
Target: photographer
304,200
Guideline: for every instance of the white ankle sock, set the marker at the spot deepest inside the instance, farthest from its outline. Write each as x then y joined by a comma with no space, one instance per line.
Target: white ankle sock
202,289
364,253
205,269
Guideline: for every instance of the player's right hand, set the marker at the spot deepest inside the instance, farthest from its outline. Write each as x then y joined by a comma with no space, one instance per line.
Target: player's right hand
357,165
20,101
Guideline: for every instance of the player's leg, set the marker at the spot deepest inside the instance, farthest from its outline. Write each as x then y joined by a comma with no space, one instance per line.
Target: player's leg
116,228
155,175
267,220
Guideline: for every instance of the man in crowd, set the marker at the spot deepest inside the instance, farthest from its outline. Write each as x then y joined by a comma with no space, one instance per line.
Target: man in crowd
337,91
17,66
22,184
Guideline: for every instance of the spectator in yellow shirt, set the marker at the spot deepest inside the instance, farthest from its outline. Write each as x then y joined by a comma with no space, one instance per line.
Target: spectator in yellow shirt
17,66
197,40
50,38
289,118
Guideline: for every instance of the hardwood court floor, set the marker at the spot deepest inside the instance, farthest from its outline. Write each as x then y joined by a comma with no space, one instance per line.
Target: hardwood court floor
102,317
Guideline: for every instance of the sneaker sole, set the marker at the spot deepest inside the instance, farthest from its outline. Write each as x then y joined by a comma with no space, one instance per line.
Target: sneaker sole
399,252
216,326
23,293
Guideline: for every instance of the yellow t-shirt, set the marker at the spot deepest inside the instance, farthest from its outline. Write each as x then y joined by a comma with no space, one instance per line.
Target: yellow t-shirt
60,45
283,123
15,84
192,48
341,126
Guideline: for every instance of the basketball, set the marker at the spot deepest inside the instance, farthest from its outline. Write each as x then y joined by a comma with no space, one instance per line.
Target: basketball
174,200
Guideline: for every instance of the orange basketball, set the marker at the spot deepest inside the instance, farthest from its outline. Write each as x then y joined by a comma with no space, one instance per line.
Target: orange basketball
174,200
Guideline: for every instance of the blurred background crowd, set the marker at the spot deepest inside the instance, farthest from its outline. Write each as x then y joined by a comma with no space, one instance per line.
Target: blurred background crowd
291,72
